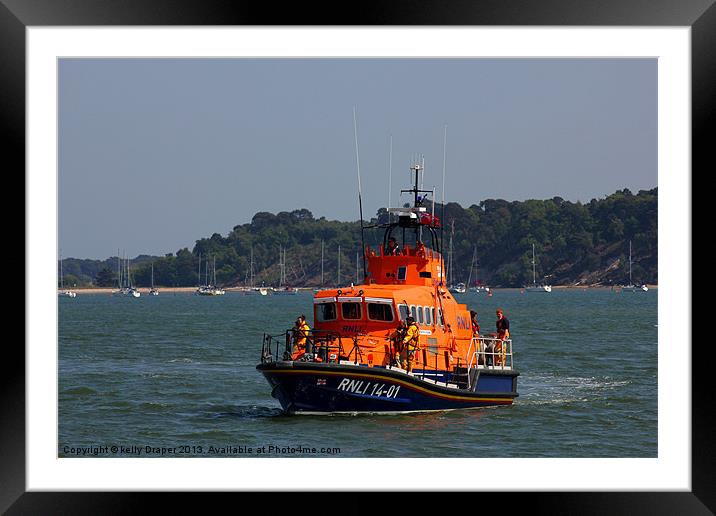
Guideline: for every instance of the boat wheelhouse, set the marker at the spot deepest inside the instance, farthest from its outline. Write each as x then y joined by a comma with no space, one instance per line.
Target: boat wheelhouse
352,362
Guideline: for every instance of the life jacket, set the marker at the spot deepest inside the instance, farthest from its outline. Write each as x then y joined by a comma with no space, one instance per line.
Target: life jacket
411,337
301,334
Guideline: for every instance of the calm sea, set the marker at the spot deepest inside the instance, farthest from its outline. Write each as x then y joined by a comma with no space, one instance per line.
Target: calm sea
177,371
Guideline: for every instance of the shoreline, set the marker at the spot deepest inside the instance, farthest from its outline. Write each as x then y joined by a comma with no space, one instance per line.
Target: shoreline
145,290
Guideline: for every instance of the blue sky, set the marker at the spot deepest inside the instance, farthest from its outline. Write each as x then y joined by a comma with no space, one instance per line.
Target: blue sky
156,153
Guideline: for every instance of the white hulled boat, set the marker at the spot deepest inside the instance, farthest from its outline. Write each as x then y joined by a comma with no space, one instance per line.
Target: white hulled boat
535,287
63,292
631,287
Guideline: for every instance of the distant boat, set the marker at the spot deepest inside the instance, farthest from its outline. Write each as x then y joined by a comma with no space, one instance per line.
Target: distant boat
286,291
631,287
153,291
63,292
250,290
459,288
476,288
210,288
124,280
133,291
535,287
282,289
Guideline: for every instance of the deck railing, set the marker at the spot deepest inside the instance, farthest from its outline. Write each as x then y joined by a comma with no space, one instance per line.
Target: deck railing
488,353
328,346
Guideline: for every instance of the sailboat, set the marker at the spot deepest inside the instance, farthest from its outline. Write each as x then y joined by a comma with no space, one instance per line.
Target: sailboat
459,288
121,291
631,287
63,292
210,288
251,290
473,263
319,289
283,289
130,289
535,287
153,291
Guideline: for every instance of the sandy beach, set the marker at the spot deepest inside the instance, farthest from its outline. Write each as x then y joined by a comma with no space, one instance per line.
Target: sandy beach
141,290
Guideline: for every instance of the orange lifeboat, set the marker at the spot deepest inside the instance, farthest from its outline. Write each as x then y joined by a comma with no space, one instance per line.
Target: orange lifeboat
398,342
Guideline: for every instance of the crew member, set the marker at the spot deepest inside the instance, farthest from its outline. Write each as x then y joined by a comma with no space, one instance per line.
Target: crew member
410,343
396,342
475,325
503,333
476,335
300,335
393,249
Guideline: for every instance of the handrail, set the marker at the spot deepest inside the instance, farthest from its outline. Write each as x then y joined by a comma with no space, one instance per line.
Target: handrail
499,357
320,342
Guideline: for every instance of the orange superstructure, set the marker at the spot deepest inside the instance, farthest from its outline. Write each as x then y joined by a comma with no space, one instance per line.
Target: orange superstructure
410,282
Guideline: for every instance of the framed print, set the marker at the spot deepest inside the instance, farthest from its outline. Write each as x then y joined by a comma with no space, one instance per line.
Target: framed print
61,60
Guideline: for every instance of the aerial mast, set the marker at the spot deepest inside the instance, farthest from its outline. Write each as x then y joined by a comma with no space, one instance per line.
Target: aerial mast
360,201
442,216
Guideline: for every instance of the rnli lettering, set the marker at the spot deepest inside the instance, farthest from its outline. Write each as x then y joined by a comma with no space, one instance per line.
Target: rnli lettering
369,388
348,328
462,322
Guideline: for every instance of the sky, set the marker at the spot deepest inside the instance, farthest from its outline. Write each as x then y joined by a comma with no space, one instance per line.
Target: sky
157,153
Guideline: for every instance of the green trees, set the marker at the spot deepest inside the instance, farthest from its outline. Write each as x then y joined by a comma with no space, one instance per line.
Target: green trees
106,278
574,242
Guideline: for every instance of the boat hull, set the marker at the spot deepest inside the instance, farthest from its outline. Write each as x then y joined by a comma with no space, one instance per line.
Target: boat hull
320,388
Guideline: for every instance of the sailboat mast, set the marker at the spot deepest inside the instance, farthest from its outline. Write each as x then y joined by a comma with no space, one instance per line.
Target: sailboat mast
321,262
251,267
62,281
339,265
534,276
119,271
630,281
152,275
450,275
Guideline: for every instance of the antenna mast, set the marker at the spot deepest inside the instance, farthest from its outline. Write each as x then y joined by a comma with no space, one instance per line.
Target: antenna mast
360,200
442,258
390,174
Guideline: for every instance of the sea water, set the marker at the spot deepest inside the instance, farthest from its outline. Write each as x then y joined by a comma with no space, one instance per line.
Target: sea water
174,376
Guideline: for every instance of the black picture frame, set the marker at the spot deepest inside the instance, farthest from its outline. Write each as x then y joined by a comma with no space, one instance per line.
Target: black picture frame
16,15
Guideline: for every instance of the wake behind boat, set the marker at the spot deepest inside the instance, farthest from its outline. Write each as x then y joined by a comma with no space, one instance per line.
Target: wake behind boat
361,358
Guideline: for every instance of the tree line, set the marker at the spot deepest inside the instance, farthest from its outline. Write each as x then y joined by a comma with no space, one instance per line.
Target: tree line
575,243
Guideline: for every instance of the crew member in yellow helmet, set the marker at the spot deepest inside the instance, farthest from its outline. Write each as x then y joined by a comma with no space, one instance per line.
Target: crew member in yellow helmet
410,343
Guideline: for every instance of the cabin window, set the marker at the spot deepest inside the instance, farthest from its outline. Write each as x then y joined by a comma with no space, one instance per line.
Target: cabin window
413,313
432,314
351,310
419,311
428,318
440,316
326,312
402,272
426,275
380,312
403,311
433,345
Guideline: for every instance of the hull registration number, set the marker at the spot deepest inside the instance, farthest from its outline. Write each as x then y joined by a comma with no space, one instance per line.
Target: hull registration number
368,388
